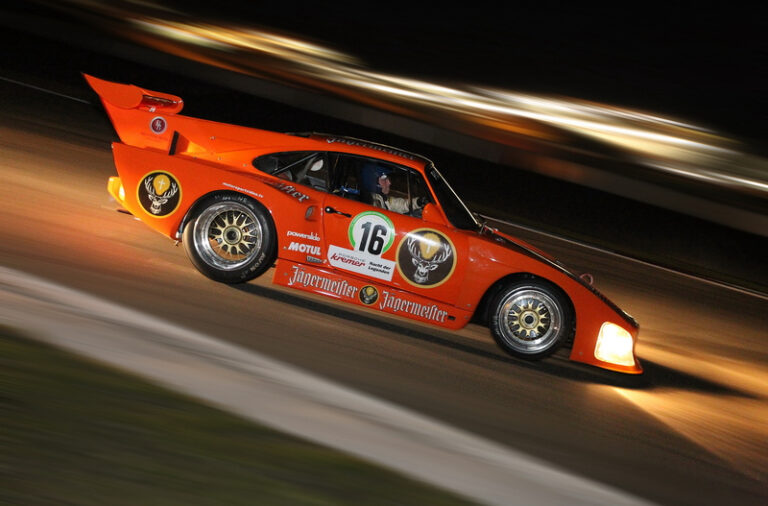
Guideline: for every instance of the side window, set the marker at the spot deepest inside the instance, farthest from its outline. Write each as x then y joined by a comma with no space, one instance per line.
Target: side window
316,173
304,167
418,189
380,184
345,172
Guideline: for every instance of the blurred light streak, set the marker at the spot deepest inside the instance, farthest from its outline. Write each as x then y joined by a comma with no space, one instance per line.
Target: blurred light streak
180,34
715,177
653,141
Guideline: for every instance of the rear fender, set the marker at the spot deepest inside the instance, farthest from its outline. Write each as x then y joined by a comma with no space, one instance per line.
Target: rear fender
193,180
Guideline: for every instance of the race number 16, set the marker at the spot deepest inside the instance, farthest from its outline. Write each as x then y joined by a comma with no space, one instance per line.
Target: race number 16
371,233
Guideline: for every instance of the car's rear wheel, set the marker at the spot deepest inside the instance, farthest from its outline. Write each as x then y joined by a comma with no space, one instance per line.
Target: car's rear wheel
231,239
530,319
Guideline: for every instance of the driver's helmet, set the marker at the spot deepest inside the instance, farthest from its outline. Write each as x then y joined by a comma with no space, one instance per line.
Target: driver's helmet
370,174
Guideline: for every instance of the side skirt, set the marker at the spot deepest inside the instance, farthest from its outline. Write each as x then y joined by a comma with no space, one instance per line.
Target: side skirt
366,294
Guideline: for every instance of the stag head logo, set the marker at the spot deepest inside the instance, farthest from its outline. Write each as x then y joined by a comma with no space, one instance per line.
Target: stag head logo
160,189
430,255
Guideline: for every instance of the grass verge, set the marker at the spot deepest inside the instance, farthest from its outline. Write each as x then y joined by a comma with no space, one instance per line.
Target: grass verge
76,432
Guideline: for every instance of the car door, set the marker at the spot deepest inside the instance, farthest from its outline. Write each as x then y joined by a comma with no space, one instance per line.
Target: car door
387,247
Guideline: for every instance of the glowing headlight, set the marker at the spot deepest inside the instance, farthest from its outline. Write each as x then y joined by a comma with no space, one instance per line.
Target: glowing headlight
614,345
121,193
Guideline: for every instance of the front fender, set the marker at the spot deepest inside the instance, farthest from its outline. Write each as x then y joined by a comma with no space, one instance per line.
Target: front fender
499,258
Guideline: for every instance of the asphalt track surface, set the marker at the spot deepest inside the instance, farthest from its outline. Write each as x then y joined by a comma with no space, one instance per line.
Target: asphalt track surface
692,430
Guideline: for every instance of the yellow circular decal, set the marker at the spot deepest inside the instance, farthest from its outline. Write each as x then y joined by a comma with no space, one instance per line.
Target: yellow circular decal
159,194
368,295
426,258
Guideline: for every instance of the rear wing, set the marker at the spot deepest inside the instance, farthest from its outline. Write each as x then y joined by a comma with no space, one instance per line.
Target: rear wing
130,96
140,116
149,119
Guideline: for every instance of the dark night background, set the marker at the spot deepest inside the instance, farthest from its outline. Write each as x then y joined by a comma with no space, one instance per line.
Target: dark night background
708,65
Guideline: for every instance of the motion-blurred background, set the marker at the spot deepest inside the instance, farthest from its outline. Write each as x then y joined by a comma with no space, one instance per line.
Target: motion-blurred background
627,141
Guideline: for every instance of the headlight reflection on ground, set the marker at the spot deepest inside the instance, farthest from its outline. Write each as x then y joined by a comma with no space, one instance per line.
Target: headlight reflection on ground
709,422
729,424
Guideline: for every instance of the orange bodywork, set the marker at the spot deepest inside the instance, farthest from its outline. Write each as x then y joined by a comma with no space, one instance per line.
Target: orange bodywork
188,159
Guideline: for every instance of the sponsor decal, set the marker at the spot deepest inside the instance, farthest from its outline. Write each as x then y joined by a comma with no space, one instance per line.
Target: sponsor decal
314,260
158,125
361,263
368,295
371,232
426,258
283,187
312,249
304,278
396,304
310,237
245,190
159,193
377,147
290,190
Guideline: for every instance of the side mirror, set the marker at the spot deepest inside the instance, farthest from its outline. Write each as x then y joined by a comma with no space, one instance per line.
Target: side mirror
432,214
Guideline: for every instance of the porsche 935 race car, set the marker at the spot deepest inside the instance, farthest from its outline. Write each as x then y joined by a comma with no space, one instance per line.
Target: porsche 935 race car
352,220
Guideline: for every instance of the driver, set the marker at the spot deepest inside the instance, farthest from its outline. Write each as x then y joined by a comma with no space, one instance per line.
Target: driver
379,192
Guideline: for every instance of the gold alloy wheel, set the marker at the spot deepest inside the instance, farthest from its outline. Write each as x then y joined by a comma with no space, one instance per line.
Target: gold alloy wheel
228,235
530,320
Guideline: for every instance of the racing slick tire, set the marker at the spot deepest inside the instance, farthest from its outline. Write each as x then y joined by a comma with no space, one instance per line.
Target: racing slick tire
231,239
530,319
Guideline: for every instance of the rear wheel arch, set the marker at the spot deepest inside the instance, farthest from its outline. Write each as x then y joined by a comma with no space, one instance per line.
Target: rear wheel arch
197,205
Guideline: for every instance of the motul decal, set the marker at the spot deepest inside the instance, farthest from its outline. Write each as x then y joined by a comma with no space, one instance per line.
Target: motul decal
312,249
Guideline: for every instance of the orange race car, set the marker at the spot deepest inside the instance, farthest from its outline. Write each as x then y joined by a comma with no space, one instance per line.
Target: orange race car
351,220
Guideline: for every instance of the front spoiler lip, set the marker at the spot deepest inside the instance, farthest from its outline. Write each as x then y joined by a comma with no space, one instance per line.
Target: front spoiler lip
636,368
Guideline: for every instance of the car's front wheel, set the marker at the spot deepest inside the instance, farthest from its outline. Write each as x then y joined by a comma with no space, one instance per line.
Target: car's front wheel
231,239
530,319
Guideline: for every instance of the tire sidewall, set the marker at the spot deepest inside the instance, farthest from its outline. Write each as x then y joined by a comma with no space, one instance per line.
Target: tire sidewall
261,261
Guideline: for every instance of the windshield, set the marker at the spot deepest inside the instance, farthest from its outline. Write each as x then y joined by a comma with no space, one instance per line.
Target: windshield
458,213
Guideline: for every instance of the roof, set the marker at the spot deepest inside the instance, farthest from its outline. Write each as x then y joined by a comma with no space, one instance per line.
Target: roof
374,148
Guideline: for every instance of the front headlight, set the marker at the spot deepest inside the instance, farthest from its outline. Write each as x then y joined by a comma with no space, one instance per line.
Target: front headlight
614,345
